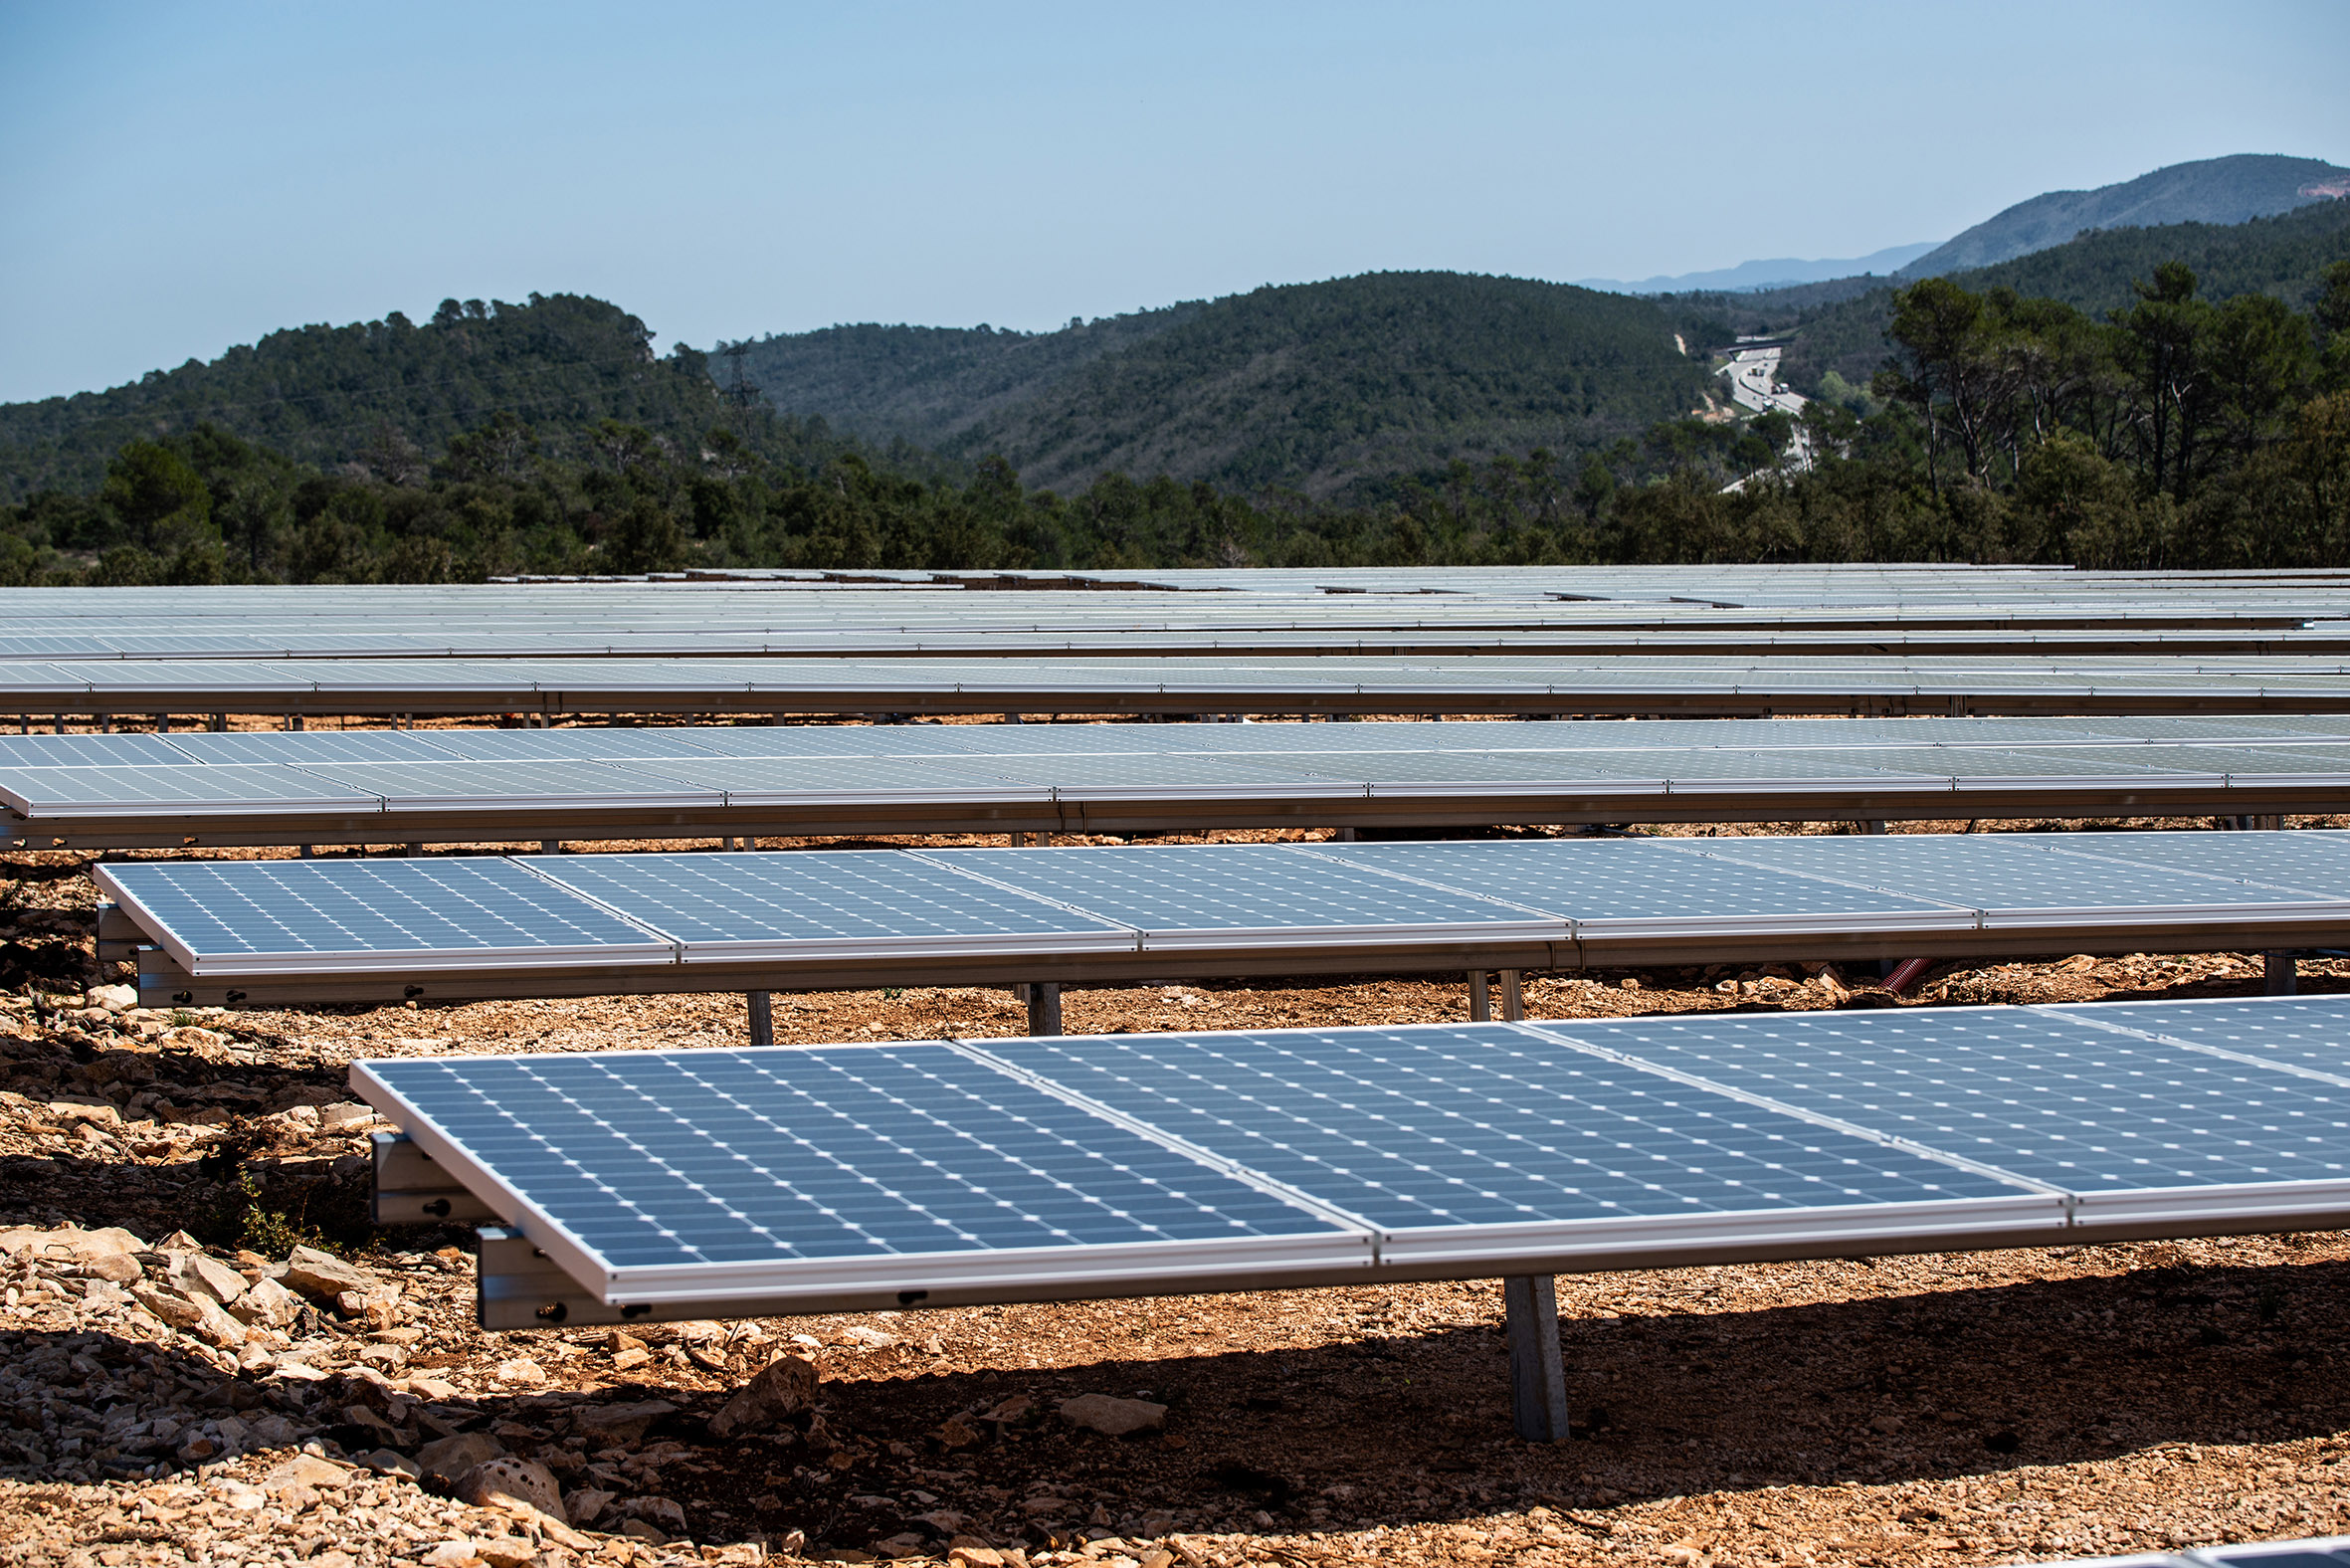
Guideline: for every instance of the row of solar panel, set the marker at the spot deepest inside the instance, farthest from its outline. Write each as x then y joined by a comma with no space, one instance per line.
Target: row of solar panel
196,685
1149,763
949,641
1014,1166
254,917
599,744
748,782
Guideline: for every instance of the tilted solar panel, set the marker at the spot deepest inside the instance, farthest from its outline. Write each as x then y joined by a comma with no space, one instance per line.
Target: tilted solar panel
299,746
49,752
1622,883
1229,894
1435,1129
2042,1094
706,1173
444,785
2012,878
828,902
289,916
846,778
183,790
2308,1034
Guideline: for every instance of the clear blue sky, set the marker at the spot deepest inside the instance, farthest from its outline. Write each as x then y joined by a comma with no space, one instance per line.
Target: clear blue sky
179,178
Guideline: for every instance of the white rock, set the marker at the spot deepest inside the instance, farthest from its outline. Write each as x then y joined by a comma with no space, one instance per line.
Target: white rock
268,1303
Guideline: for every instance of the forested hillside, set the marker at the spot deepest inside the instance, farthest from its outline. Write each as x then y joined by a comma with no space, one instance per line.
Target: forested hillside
2211,190
388,394
1336,390
928,385
2282,257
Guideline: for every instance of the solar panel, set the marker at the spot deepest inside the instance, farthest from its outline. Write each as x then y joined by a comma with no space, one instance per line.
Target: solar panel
657,1174
2312,861
821,902
2309,1034
443,785
48,751
1192,776
582,744
300,747
177,791
1620,886
2042,1095
2012,879
1437,1128
829,740
1229,894
289,917
750,780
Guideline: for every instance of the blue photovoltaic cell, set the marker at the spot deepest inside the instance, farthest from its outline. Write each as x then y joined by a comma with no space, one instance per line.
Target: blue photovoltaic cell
1172,773
847,778
1997,872
226,909
2041,1094
581,782
55,791
586,745
827,740
653,1158
813,895
49,751
1448,1126
2317,863
1226,887
1614,880
2311,1033
311,746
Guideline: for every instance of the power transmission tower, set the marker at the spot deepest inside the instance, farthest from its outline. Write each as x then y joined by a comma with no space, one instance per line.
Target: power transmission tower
740,392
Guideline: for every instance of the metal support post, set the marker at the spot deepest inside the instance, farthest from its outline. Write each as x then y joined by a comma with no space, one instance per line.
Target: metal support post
1537,1373
1513,996
550,846
1874,829
1044,1008
309,852
762,1019
2282,972
1480,997
220,723
1344,836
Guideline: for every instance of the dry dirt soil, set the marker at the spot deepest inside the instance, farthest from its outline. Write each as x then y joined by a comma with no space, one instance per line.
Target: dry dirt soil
1961,1409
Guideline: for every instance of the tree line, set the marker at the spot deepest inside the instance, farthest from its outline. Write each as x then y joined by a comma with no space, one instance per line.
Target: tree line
2172,432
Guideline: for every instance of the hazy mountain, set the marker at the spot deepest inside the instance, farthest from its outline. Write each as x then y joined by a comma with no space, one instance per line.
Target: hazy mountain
2212,190
1779,273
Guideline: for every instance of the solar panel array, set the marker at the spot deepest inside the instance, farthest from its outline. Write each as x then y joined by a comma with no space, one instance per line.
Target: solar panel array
465,785
1250,610
527,920
822,1177
1667,683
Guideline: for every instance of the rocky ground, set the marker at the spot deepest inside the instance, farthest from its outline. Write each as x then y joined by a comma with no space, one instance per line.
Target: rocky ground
207,1355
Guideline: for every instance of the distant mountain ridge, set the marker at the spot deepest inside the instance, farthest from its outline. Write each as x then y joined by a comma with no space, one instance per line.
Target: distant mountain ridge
1782,273
2212,190
1335,389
